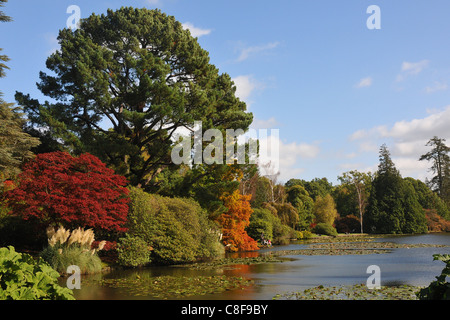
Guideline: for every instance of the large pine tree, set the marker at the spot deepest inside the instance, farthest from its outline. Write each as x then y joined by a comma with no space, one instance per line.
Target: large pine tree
439,156
124,82
393,206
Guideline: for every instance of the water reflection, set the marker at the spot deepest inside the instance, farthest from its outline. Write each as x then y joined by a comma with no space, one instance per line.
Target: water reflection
246,254
414,266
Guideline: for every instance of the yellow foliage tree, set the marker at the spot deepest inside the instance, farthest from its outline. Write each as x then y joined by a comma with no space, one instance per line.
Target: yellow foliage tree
325,210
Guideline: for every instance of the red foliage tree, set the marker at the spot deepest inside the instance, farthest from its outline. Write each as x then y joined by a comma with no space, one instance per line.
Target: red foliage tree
234,222
56,188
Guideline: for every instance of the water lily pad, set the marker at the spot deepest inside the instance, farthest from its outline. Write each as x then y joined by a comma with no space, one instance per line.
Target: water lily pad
170,287
355,292
226,263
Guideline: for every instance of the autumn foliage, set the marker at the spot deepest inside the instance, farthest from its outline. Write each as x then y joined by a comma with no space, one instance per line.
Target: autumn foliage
435,222
234,222
56,188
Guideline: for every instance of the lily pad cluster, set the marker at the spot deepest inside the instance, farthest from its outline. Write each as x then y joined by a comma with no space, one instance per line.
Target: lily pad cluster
170,287
370,245
354,248
226,263
355,292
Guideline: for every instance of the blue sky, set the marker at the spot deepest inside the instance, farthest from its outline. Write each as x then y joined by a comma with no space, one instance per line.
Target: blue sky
312,69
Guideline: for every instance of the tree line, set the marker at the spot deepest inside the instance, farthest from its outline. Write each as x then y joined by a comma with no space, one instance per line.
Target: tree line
380,202
145,76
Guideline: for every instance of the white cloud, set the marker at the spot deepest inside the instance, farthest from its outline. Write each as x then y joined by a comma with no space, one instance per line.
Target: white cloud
407,140
270,123
195,31
302,150
247,52
365,82
437,86
411,167
289,157
409,148
245,86
412,68
350,155
368,146
357,135
436,124
153,2
362,134
52,42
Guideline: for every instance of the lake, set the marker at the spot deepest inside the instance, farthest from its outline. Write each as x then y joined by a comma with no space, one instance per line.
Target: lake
411,266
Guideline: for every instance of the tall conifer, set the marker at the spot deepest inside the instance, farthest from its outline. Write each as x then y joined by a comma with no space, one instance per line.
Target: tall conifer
393,205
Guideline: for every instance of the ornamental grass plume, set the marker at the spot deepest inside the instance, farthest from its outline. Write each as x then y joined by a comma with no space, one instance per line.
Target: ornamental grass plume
61,236
72,248
82,238
50,232
75,237
87,238
101,245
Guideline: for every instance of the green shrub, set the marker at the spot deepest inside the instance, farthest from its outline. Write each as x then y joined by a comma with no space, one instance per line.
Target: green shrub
263,221
23,278
282,234
325,229
177,229
133,251
61,258
439,289
261,224
304,235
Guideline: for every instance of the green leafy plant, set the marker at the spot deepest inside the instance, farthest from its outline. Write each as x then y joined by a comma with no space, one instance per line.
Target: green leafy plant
439,289
133,251
23,278
177,229
325,229
264,221
304,235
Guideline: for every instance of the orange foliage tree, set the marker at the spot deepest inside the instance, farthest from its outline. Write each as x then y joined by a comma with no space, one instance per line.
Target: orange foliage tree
234,222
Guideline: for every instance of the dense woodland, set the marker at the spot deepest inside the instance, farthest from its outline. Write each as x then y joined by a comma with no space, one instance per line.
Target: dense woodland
145,76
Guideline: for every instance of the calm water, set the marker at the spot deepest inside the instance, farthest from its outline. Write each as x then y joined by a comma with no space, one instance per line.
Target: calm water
414,266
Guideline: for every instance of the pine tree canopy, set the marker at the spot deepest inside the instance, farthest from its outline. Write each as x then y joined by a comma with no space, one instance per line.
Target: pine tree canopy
124,82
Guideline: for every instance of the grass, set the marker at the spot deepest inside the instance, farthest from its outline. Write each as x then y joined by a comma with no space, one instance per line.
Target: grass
68,248
87,262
